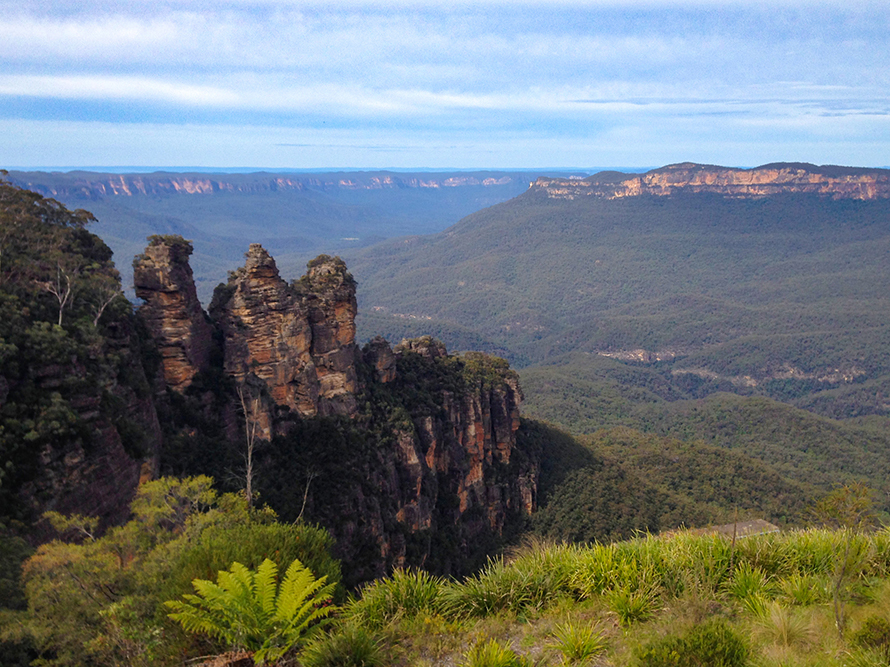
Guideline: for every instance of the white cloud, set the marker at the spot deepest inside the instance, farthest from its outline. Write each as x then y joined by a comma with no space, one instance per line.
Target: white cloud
489,72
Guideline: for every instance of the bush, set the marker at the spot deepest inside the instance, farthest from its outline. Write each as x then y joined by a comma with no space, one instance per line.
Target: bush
492,654
406,594
874,634
578,643
713,644
352,646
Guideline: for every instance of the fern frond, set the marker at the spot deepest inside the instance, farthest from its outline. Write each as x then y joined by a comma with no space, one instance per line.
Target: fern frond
249,610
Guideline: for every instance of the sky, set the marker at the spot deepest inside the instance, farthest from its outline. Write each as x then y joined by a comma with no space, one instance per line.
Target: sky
395,84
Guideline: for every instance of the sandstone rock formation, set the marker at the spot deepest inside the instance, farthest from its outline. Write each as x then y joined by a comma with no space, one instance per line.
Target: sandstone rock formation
771,179
96,186
163,279
426,456
299,340
451,476
266,333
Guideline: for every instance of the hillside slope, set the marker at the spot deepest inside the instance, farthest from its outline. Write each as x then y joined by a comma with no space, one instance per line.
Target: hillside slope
783,295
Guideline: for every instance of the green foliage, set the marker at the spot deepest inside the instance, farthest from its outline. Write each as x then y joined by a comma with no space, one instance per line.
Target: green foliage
803,589
248,609
578,643
633,604
405,594
65,335
749,581
349,646
523,586
849,507
712,643
873,634
618,482
99,600
491,653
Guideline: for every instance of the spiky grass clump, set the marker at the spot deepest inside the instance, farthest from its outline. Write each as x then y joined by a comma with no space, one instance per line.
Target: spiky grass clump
521,587
624,565
783,626
749,581
697,564
633,605
803,589
578,643
491,653
406,594
352,646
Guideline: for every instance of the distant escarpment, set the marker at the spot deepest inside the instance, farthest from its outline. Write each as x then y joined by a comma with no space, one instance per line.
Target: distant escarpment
91,185
771,179
408,455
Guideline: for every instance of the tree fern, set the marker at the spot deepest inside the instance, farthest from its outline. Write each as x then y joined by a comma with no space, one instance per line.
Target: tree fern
249,610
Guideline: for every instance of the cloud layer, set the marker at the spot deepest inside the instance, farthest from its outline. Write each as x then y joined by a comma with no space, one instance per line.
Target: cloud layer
492,84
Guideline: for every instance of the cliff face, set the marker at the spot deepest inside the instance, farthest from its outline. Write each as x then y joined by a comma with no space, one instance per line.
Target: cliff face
455,468
298,340
394,451
78,424
163,278
834,182
95,185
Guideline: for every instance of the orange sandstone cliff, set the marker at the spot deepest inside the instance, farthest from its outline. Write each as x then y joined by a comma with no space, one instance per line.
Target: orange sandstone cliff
771,179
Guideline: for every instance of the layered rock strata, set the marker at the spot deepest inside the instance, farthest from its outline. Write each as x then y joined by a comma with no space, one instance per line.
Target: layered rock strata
771,179
451,473
163,279
299,339
98,185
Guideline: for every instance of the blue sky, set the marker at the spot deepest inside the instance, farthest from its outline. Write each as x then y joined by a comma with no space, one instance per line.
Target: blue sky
287,84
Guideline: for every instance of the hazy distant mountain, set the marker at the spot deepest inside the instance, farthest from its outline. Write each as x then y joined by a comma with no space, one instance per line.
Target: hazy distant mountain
295,215
771,280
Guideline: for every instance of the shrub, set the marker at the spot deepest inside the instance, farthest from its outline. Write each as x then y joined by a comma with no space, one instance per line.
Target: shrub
248,610
874,634
406,594
352,646
712,643
492,654
578,643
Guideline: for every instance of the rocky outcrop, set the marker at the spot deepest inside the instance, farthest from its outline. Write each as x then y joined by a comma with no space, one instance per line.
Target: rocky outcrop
328,290
379,355
163,279
451,478
419,447
298,340
267,335
771,179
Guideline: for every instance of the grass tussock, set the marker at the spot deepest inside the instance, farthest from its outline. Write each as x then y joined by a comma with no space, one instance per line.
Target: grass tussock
672,600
